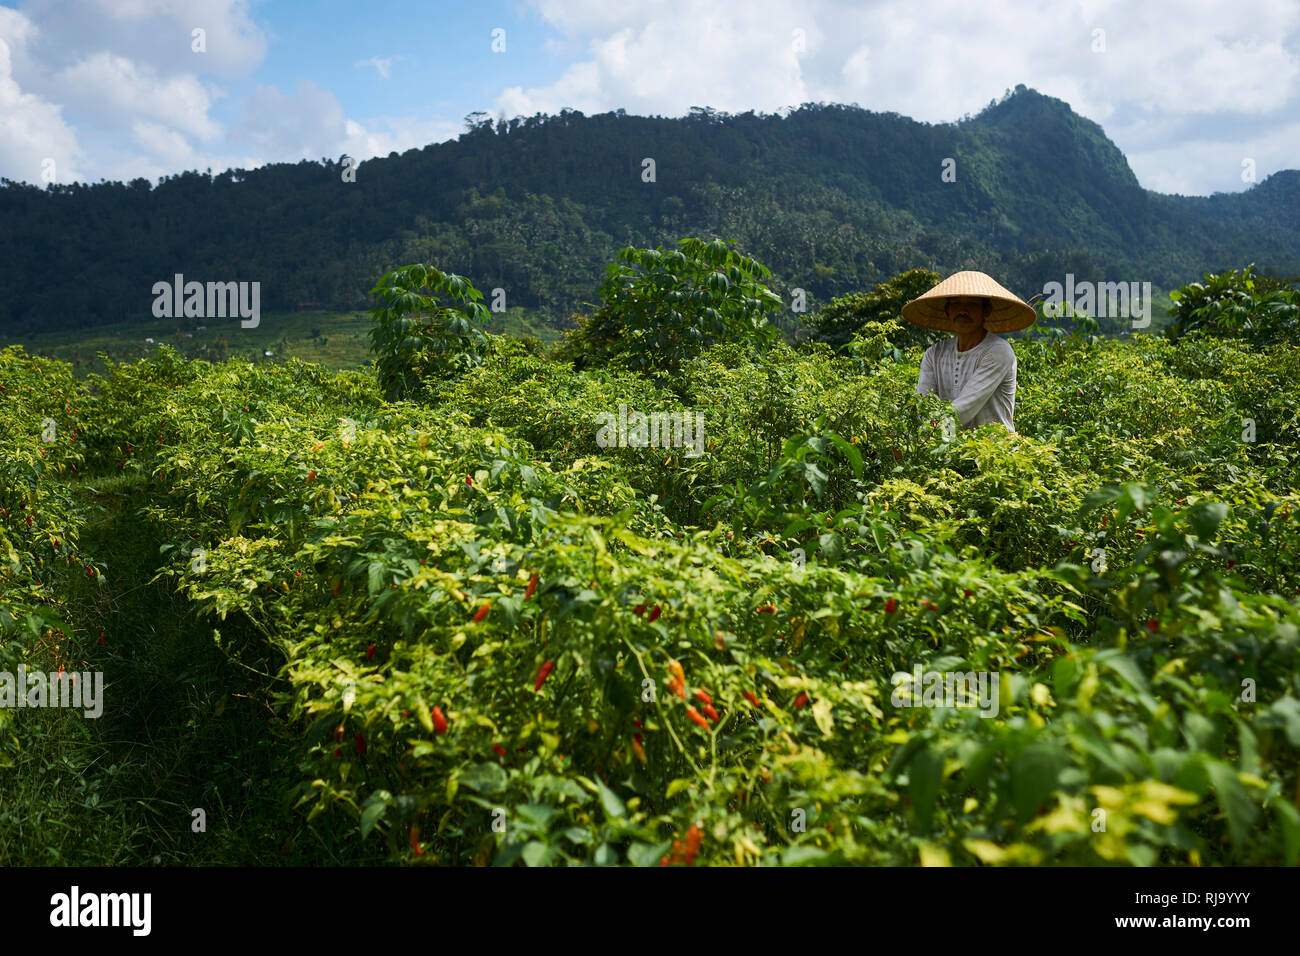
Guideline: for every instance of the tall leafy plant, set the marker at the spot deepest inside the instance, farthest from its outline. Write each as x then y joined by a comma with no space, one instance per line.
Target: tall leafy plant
661,309
1238,304
862,312
417,335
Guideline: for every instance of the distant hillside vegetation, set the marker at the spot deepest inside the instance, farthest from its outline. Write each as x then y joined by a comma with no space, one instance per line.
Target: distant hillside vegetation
832,198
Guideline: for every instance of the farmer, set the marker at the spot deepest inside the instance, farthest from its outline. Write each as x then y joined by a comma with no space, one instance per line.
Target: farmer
976,369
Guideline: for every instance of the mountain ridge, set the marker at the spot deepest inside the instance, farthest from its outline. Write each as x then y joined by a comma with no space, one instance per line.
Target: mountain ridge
833,198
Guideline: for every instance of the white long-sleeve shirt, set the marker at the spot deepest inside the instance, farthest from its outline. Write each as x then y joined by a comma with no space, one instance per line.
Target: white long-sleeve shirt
980,382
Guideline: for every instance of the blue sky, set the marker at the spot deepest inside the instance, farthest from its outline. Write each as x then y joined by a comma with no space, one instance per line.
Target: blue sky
1201,95
437,57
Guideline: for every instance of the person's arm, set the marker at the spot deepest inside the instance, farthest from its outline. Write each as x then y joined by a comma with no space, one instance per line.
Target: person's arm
926,383
994,368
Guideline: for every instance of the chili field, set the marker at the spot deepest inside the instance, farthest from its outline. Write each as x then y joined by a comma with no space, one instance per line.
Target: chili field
425,613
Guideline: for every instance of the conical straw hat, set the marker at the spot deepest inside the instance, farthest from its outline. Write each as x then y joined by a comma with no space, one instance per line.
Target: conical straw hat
1009,314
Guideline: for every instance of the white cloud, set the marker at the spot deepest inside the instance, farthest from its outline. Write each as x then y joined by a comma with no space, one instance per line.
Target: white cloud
36,144
163,142
311,124
115,88
383,65
1201,164
1186,87
156,32
933,60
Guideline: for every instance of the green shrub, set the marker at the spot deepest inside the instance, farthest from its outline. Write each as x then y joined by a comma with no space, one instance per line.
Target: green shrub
659,308
416,336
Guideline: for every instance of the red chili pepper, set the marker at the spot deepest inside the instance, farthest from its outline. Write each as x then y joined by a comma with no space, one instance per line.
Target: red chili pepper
469,480
1153,625
532,586
370,652
801,699
499,751
439,721
702,696
654,615
311,476
415,840
361,743
482,612
765,609
543,674
749,696
694,715
1231,564
694,837
710,713
891,606
638,610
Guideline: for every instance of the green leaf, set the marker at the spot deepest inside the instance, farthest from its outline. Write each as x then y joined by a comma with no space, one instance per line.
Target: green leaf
537,814
1288,708
1033,777
373,811
1233,799
1206,517
1289,822
1102,496
850,452
614,808
646,854
832,546
923,775
535,853
815,477
487,778
802,856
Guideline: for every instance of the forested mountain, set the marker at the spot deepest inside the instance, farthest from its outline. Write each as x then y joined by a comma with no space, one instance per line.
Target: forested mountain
831,198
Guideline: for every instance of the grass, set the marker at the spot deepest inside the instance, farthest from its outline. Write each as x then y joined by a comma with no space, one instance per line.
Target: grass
193,725
334,339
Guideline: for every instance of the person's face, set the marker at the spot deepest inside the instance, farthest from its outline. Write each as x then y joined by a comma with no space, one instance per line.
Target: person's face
966,312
